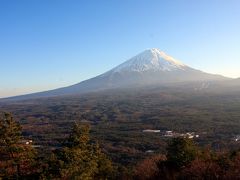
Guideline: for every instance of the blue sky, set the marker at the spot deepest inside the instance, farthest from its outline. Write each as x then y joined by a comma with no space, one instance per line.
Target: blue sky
45,44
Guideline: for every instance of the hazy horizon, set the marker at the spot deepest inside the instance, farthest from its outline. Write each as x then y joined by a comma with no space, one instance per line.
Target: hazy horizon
42,89
51,44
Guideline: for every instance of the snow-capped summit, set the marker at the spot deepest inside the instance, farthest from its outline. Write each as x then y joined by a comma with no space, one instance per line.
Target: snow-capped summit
151,68
151,59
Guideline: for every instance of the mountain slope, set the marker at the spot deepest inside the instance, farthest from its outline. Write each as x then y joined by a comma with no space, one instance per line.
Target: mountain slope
151,67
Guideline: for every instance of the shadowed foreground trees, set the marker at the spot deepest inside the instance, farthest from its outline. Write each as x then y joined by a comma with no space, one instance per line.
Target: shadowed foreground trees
79,158
185,160
16,158
181,151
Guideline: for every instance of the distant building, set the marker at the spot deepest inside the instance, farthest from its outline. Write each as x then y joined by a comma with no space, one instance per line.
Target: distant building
169,134
26,142
149,151
151,131
237,138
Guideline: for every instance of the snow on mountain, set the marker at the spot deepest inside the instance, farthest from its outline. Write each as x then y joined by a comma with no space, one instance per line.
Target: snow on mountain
152,67
151,59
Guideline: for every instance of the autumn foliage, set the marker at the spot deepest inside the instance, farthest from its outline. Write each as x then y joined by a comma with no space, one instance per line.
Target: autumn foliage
185,160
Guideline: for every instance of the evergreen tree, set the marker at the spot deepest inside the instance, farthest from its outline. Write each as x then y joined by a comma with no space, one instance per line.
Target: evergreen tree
79,158
181,151
15,157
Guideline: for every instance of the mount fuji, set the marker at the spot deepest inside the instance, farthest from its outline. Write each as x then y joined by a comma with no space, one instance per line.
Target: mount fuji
149,68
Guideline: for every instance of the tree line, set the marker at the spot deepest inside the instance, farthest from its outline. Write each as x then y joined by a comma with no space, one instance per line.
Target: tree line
80,157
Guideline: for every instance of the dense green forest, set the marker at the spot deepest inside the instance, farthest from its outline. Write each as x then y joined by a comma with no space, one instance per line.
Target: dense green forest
116,121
